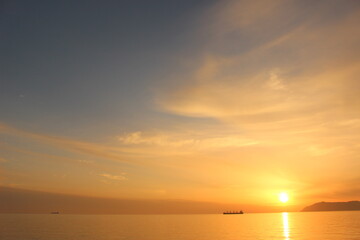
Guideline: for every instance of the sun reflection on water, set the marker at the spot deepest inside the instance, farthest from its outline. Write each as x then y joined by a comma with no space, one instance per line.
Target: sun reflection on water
286,226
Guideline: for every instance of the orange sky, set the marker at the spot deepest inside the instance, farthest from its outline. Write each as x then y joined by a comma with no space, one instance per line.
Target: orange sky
268,103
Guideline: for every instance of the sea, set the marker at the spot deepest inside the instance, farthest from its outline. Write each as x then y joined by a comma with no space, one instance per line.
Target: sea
267,226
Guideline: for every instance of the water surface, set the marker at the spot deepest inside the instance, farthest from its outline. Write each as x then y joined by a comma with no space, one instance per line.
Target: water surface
279,226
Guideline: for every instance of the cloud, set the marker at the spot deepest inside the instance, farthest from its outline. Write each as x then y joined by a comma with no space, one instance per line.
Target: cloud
3,160
275,82
177,140
157,139
278,69
114,177
103,151
281,74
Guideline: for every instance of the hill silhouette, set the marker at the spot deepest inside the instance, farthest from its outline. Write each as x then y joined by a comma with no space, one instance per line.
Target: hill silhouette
333,206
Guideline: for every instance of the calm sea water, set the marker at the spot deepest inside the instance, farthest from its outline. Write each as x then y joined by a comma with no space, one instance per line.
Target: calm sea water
286,226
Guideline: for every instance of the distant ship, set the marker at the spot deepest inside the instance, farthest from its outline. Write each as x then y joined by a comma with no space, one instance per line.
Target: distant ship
241,212
55,212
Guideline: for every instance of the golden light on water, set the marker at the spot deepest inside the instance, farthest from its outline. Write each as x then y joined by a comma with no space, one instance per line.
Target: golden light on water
283,197
286,228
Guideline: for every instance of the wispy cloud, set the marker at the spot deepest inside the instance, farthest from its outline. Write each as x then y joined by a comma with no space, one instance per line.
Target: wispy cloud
184,140
114,153
114,177
284,74
269,69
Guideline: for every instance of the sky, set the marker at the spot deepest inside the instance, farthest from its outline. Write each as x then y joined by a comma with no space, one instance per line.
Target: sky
226,102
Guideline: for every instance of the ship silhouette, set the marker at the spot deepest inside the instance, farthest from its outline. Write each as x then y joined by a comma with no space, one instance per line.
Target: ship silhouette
233,212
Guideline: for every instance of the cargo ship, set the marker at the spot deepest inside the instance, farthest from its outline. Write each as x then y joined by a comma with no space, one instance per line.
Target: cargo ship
241,212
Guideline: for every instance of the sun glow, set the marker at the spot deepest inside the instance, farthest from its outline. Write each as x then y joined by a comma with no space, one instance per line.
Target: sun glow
283,197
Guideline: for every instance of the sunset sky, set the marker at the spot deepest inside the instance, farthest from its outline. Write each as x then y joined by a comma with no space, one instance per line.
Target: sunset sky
209,101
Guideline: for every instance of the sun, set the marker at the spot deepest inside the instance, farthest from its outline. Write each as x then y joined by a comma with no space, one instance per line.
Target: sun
283,197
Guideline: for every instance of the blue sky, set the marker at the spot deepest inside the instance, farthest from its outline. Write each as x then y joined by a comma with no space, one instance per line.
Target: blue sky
84,64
